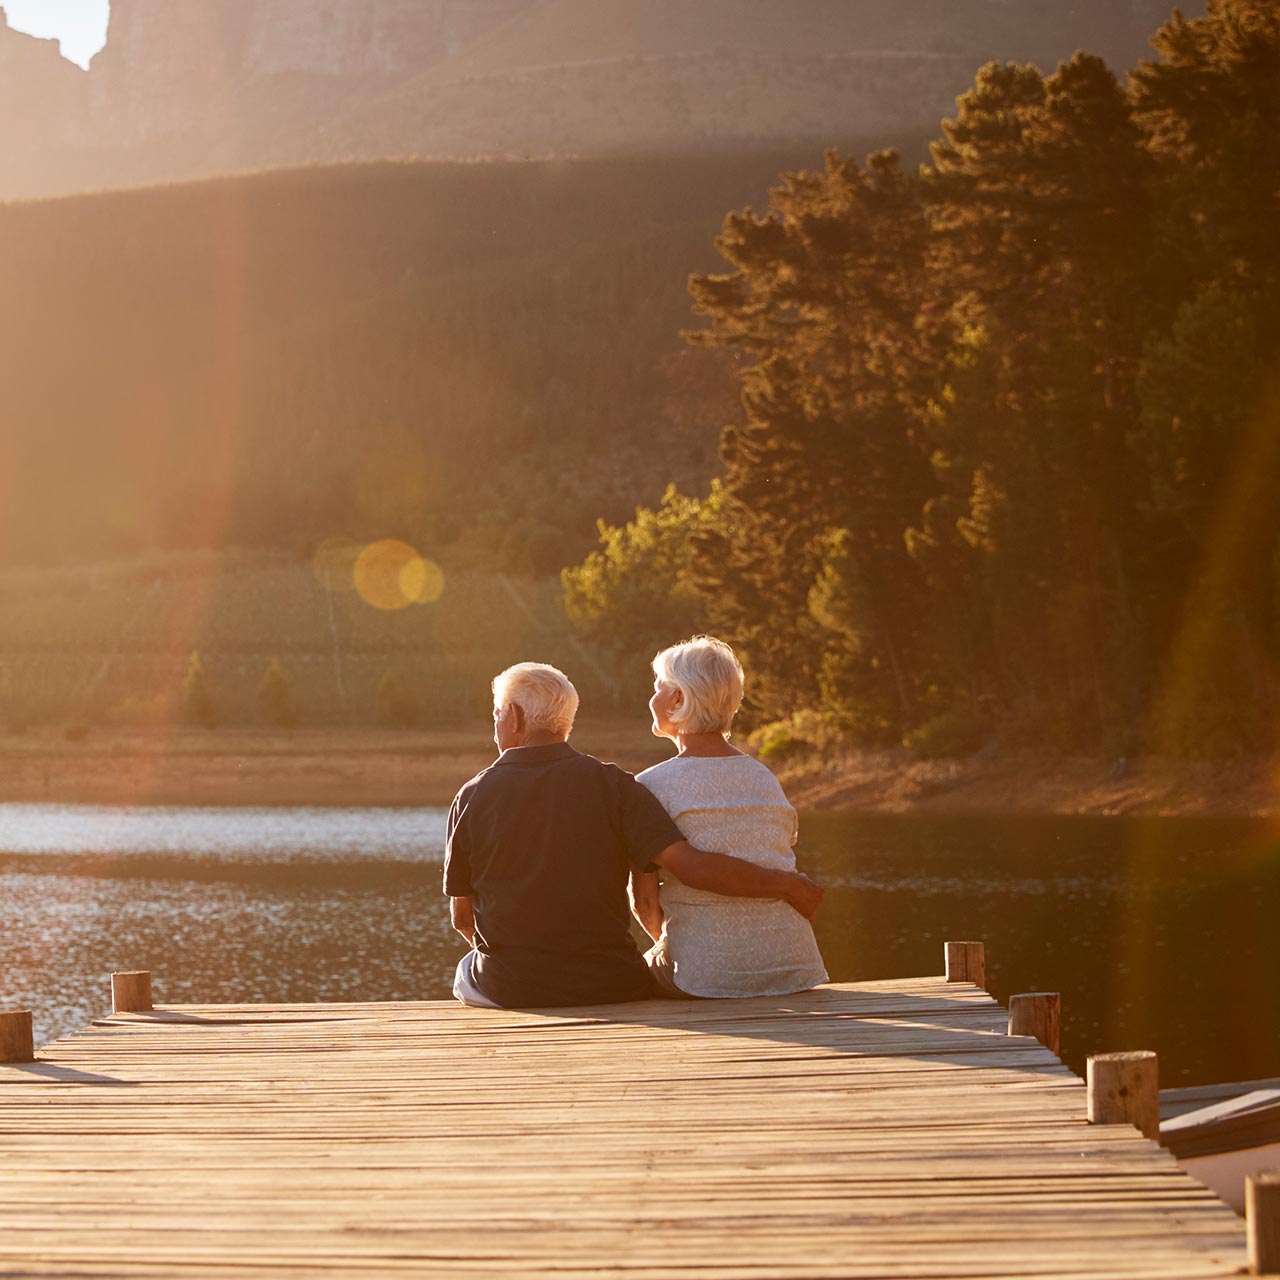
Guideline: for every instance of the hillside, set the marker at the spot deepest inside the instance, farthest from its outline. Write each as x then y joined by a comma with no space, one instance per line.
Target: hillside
188,88
476,357
110,643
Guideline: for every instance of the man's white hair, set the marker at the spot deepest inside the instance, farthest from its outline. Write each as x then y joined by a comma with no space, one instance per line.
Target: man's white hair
544,693
707,672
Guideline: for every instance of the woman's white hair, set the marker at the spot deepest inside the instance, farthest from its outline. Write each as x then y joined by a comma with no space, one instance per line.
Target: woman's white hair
545,695
709,676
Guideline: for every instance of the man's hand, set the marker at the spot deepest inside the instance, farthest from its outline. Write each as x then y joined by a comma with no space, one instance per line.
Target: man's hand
736,878
804,895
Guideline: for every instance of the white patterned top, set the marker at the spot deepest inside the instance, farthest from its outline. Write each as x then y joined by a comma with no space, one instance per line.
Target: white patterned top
732,946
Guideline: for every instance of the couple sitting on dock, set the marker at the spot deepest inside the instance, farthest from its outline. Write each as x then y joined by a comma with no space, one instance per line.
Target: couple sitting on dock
544,844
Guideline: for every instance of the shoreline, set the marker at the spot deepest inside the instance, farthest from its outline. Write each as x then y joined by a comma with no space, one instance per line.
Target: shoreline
374,767
1036,784
328,767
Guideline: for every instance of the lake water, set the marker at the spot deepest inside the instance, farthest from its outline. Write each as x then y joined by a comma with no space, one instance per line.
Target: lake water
1159,933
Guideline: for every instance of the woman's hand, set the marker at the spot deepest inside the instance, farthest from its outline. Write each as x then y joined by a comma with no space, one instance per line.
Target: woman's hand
463,918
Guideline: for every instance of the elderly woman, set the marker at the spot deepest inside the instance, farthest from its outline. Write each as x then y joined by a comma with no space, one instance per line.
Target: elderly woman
706,944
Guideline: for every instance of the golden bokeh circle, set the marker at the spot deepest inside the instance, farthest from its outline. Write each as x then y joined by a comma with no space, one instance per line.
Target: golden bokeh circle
422,581
387,574
379,570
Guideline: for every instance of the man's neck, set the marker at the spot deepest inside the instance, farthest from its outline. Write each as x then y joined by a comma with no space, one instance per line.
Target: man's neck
539,738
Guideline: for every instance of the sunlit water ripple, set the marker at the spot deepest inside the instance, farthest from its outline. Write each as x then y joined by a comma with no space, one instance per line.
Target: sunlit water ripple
254,833
1159,934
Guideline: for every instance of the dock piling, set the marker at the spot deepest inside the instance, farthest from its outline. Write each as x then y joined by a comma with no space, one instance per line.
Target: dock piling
1124,1088
967,962
1262,1221
1037,1014
131,992
16,1041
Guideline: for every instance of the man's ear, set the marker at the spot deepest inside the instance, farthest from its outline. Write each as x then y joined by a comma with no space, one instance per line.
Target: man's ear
516,712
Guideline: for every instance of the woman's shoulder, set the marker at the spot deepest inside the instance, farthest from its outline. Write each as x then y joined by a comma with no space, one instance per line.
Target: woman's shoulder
739,771
655,772
657,778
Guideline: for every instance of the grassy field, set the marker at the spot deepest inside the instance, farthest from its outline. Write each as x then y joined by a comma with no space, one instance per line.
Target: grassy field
108,645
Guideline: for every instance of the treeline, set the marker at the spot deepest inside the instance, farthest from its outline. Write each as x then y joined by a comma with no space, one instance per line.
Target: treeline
1009,447
473,356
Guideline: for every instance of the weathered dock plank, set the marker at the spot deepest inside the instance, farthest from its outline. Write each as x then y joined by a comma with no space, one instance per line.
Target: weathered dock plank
885,1129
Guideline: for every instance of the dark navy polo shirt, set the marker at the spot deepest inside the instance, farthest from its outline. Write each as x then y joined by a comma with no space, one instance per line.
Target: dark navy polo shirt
543,841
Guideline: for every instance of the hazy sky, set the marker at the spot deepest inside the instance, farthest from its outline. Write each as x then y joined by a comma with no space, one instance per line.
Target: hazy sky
81,25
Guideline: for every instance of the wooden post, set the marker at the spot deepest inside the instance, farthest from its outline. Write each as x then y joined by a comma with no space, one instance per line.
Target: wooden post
967,962
130,992
1036,1014
1262,1221
1124,1088
16,1042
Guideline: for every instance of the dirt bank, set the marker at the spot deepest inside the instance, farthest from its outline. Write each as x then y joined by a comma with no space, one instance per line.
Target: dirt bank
891,782
247,767
387,767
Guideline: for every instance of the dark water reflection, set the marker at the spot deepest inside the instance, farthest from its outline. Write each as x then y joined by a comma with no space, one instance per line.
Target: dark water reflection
1159,934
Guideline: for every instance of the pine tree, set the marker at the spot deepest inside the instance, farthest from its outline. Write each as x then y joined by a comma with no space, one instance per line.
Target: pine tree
1209,109
1006,424
828,299
197,701
276,697
1040,189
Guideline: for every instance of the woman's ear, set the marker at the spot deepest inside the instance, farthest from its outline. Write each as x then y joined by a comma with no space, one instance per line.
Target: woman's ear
677,699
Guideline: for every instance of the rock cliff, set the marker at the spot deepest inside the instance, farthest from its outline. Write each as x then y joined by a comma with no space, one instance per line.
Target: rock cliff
188,88
34,73
182,66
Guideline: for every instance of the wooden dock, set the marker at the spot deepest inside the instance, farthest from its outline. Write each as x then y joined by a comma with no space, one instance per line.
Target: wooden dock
886,1129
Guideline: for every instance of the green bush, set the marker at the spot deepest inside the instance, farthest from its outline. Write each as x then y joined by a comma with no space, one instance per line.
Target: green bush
952,733
798,735
777,742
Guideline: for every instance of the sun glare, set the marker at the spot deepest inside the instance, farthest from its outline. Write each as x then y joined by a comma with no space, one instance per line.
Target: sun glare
387,574
79,26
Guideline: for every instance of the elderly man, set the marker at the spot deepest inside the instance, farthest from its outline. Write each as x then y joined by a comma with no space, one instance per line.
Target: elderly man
539,850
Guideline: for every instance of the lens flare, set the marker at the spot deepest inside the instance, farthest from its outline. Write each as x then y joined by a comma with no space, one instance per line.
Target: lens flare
422,581
391,575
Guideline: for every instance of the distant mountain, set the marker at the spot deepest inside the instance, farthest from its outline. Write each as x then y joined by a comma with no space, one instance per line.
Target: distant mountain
188,88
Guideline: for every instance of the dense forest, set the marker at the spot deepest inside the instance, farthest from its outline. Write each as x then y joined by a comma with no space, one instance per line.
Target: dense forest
1008,451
